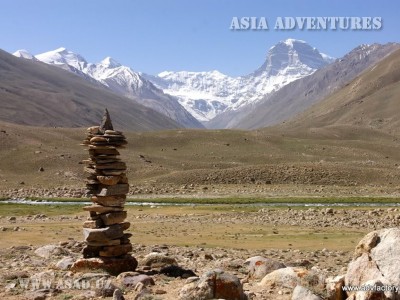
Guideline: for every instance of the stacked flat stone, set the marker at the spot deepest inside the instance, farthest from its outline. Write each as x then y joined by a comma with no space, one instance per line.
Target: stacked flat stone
107,185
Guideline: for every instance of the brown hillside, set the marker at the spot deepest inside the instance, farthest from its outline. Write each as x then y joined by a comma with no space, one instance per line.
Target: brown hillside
370,101
33,93
220,160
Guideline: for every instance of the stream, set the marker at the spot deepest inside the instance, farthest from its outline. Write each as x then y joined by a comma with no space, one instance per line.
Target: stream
265,204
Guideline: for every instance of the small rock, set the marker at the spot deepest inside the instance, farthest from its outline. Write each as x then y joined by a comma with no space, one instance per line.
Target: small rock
329,210
106,290
143,295
139,287
118,295
208,256
334,287
9,287
259,266
65,263
38,295
215,284
176,271
301,293
132,281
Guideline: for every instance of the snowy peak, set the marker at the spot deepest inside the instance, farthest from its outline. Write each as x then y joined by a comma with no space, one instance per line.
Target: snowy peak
327,58
111,63
24,54
108,72
62,56
207,94
292,42
123,80
292,54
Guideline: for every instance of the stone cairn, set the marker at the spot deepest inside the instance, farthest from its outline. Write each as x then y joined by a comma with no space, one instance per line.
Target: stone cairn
107,246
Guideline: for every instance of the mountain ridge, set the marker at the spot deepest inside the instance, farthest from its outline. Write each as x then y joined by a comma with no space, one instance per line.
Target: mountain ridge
122,80
203,95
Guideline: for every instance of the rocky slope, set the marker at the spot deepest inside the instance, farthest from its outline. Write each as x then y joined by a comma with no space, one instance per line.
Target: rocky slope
371,100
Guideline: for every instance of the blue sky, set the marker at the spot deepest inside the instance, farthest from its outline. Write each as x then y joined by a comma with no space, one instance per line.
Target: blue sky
157,35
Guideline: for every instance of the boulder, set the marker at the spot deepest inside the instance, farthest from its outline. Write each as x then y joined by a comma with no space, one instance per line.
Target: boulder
259,266
215,284
158,260
285,277
376,258
302,293
49,251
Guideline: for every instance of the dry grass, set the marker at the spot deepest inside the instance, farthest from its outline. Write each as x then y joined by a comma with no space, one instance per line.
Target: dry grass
164,225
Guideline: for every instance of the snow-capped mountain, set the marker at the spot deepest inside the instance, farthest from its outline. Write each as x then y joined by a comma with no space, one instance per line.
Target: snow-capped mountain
118,78
208,94
24,54
190,97
62,56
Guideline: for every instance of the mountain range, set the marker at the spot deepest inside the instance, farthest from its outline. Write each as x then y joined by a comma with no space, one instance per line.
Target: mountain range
204,95
119,79
293,77
207,94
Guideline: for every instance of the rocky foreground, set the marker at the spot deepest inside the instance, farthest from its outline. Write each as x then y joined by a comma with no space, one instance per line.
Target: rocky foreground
38,271
170,272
